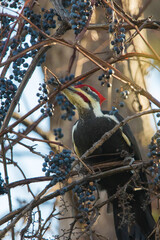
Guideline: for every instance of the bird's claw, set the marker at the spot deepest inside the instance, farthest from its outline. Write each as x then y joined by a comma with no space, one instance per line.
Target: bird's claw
129,160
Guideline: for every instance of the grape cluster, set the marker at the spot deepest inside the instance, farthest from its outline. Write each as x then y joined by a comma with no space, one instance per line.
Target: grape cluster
124,94
80,12
65,106
113,111
7,92
158,116
2,188
6,23
16,4
85,196
116,30
118,38
105,77
154,154
51,81
19,66
47,108
44,22
58,133
66,3
66,78
19,43
62,101
58,165
98,3
62,80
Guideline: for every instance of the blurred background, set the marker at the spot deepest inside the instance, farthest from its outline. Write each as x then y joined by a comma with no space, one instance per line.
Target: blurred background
97,39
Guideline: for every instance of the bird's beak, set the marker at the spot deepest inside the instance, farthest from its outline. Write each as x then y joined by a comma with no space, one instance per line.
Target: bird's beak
82,100
73,95
69,89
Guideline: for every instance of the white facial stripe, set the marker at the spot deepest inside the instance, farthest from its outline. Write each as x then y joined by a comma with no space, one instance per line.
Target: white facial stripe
95,105
77,101
97,109
80,103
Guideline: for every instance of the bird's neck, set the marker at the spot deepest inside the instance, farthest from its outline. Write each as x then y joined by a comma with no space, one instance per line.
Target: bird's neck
90,113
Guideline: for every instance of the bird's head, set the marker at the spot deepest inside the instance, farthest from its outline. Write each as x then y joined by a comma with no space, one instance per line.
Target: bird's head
85,98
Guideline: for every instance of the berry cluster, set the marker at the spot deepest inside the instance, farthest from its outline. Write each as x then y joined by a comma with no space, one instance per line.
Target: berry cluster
66,78
2,188
99,3
115,29
154,154
19,66
65,106
85,196
47,108
124,94
105,77
16,4
113,111
7,92
58,165
19,43
118,38
58,133
44,22
66,3
62,101
158,116
80,12
6,23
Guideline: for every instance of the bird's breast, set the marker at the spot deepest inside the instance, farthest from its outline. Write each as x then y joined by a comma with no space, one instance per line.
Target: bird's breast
88,132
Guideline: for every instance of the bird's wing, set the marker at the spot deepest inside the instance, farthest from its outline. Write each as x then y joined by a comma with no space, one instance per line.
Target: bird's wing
128,135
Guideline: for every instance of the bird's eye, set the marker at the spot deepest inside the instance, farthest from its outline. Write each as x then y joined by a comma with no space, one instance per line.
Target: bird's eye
86,89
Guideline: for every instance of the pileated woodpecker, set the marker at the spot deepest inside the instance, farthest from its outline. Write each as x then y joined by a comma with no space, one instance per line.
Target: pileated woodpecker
90,127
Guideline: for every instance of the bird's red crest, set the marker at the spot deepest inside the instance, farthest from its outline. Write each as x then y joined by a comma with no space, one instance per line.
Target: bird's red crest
101,98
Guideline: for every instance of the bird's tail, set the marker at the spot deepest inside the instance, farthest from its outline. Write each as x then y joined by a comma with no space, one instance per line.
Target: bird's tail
136,221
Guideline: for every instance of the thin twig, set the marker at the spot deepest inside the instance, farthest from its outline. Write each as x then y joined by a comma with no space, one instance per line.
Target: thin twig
7,182
22,86
51,96
120,76
36,139
149,24
88,178
27,208
143,8
134,26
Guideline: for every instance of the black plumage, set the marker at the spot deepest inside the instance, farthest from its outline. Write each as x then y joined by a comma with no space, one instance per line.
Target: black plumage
90,130
90,127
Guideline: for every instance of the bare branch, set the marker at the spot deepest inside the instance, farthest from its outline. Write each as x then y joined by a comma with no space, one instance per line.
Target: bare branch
88,178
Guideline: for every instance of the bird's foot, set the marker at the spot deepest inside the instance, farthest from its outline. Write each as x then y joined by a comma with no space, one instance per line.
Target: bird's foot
128,160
